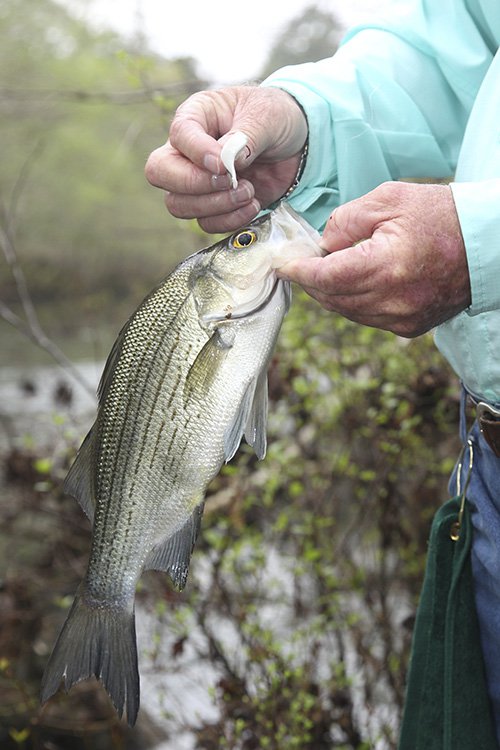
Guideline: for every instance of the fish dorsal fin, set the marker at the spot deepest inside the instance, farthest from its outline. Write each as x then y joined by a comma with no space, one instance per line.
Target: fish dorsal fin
109,367
169,285
250,420
174,555
78,482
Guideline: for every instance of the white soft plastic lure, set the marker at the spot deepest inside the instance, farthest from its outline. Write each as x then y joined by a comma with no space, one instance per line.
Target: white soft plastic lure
230,151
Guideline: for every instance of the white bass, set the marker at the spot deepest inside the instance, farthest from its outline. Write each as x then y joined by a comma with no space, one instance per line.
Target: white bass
185,380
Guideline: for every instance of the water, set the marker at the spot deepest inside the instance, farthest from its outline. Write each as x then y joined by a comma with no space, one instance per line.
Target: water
44,405
37,401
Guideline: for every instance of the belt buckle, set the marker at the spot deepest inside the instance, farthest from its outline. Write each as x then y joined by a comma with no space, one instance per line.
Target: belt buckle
485,410
488,418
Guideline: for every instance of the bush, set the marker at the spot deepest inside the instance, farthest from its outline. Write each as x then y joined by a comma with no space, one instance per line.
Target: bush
305,594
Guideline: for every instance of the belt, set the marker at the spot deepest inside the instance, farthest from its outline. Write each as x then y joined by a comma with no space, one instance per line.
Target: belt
489,424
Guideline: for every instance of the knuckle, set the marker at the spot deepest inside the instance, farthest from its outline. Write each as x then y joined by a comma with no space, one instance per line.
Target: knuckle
151,168
391,191
408,333
327,304
195,182
175,206
176,128
212,225
407,328
207,226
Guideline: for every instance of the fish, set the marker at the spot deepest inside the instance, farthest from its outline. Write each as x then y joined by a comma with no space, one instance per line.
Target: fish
185,380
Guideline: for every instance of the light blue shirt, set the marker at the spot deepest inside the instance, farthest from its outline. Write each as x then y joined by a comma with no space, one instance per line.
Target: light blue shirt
417,96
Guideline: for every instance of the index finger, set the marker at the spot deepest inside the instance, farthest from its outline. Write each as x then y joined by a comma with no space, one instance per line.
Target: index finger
170,170
341,273
196,128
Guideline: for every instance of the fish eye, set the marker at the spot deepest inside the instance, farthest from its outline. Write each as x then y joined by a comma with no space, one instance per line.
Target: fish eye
244,239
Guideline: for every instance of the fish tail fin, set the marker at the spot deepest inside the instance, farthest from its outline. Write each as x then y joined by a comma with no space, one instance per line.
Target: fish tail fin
99,640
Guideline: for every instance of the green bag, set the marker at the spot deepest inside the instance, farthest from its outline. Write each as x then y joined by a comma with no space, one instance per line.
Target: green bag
447,705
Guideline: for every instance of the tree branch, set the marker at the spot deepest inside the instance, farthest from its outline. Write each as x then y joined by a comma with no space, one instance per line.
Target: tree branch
137,96
30,327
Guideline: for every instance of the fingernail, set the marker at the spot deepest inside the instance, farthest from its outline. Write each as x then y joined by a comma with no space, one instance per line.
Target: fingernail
211,163
242,194
220,181
243,155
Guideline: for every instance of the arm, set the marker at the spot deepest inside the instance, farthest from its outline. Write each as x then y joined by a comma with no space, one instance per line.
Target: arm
401,111
391,103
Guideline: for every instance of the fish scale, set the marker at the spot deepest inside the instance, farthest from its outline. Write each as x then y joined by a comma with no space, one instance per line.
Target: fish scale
184,382
125,455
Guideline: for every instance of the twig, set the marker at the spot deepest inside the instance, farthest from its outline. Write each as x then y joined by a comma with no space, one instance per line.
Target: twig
79,96
38,337
30,327
21,285
10,213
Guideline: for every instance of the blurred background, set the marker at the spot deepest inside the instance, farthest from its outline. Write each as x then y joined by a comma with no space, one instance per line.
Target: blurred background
294,629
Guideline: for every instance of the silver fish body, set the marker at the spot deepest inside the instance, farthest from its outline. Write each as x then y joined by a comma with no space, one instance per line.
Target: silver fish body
185,380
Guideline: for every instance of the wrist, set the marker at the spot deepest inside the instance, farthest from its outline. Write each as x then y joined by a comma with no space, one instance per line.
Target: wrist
301,163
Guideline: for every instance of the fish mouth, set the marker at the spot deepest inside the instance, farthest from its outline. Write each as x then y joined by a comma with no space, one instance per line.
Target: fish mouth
309,230
255,304
293,237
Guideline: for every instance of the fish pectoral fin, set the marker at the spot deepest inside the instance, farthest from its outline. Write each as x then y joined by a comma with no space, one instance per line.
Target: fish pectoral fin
174,555
250,420
78,482
204,369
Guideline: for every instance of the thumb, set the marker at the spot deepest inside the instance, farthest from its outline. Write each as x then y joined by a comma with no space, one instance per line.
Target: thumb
273,123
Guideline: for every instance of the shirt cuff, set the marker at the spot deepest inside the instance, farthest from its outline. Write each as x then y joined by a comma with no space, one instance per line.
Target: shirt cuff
316,193
478,209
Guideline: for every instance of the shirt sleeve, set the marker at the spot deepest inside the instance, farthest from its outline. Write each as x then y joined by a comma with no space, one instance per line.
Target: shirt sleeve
392,103
477,207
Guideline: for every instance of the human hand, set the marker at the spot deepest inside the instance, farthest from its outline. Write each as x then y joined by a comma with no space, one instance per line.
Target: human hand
189,167
408,271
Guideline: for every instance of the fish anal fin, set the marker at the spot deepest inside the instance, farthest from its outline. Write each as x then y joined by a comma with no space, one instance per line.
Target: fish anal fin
78,482
174,555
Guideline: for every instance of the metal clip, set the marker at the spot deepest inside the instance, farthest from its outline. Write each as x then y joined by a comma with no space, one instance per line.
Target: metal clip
483,409
456,525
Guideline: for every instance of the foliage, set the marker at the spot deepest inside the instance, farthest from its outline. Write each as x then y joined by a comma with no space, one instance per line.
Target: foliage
312,36
305,579
313,559
80,112
306,575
